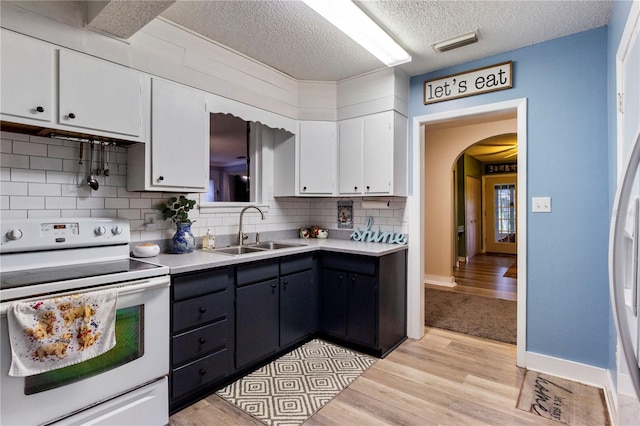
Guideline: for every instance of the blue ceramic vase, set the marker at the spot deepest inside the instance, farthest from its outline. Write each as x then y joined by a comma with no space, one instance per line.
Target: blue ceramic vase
183,241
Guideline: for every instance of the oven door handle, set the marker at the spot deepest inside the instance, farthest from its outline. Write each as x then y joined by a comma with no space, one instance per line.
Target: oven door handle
124,289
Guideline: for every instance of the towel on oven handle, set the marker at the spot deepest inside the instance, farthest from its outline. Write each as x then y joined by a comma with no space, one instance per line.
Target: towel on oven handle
61,331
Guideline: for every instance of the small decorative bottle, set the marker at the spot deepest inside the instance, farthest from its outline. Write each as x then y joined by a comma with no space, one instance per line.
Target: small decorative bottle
208,241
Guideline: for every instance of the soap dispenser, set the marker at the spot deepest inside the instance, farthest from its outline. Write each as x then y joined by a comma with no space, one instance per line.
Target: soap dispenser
208,241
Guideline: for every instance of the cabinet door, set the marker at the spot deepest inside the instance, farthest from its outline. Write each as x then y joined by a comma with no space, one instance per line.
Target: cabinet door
378,155
99,95
333,299
257,321
350,135
361,309
317,157
298,306
179,137
27,77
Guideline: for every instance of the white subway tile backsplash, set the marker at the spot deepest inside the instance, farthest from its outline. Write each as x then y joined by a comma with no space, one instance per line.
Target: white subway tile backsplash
28,148
105,213
90,203
140,203
17,202
60,203
44,163
61,177
64,152
6,146
27,175
116,203
4,202
5,174
43,214
73,190
75,213
46,189
13,136
129,214
14,188
13,160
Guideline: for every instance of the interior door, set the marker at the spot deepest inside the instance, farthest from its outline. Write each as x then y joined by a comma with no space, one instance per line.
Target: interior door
472,214
500,207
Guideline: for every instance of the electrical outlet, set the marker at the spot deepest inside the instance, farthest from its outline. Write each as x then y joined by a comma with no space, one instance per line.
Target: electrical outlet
541,204
150,220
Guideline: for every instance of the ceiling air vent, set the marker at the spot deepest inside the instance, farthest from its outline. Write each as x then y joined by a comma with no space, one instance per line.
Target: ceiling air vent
455,42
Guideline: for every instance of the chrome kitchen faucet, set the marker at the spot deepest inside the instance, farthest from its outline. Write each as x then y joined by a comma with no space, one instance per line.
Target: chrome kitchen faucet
241,235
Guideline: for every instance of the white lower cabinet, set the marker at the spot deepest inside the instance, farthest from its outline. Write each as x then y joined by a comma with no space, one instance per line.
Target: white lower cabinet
177,156
373,155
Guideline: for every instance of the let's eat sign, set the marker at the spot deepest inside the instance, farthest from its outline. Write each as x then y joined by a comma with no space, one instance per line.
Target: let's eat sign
469,83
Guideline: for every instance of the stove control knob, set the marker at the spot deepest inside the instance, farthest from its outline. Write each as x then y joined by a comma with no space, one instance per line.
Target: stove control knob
99,231
14,234
116,230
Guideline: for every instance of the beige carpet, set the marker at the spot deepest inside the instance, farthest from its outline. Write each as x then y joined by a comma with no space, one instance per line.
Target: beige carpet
470,314
562,400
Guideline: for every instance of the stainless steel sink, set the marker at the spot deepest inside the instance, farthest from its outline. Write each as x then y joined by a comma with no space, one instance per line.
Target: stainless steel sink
254,248
236,250
272,245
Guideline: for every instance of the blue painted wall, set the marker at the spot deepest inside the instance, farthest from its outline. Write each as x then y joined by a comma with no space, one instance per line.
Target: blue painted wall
565,82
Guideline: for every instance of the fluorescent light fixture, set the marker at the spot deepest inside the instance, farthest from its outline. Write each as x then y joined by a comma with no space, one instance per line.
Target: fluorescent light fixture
455,42
351,20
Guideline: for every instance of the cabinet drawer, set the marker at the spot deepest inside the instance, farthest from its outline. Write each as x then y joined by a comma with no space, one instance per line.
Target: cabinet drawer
295,264
202,372
201,341
356,264
201,310
200,283
257,271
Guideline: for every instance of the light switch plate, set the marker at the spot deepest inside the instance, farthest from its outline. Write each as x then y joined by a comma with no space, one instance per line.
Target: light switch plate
541,204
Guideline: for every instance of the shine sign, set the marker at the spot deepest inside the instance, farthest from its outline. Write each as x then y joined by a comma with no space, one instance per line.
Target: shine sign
469,83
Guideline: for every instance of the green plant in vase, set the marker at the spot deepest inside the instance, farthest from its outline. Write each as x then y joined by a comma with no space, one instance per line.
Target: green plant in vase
177,209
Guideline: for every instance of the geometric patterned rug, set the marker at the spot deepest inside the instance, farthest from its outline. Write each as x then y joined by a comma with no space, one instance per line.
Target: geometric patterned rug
292,388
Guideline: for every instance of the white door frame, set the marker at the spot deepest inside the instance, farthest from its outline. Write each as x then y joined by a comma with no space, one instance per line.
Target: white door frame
415,210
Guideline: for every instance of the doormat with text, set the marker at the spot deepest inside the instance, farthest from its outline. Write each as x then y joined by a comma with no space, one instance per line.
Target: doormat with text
292,388
562,400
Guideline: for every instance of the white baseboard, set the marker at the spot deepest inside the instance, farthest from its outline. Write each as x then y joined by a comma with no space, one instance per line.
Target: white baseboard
439,280
611,397
582,373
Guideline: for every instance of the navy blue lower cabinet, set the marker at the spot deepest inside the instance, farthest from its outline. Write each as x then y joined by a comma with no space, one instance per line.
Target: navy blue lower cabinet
298,306
258,321
363,301
202,334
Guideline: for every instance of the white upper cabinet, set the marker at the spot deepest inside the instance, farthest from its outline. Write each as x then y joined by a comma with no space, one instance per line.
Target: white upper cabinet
177,156
95,94
317,157
373,155
350,145
45,86
27,78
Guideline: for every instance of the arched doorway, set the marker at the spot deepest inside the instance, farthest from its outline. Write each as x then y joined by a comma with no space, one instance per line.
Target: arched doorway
485,211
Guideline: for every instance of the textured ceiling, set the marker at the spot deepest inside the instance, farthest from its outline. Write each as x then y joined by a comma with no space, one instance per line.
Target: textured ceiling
292,38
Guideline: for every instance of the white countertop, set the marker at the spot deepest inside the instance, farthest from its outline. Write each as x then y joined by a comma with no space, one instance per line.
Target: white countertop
198,260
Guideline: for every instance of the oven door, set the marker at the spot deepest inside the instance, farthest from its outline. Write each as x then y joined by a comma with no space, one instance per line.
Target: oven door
140,357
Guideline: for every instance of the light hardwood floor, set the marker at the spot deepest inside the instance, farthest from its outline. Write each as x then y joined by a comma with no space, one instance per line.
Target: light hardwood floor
445,378
483,274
